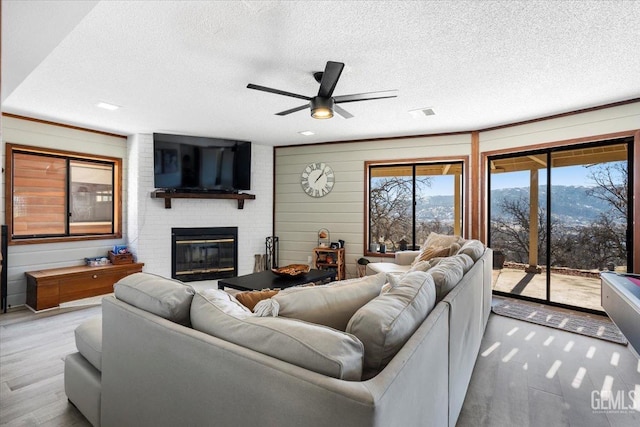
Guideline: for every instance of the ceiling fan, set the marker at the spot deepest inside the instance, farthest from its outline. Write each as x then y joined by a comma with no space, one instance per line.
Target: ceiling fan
324,104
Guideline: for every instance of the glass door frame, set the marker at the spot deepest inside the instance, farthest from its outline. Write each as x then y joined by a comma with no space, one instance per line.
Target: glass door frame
629,141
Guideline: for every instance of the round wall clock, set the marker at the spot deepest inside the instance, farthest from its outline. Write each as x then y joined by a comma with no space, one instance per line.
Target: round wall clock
317,179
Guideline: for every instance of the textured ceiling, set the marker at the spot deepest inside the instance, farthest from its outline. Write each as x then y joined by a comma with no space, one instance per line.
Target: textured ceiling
183,67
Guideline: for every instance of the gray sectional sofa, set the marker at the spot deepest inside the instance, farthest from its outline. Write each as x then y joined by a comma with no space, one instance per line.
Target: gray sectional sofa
156,358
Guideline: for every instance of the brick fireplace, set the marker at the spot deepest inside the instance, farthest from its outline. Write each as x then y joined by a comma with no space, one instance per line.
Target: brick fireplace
150,225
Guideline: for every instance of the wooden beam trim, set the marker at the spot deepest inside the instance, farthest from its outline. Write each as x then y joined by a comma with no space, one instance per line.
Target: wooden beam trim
47,122
476,213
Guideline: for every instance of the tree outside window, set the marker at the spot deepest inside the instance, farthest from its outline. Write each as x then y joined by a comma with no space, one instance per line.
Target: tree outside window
409,201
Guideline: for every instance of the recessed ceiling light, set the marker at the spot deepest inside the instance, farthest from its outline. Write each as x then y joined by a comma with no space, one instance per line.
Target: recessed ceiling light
107,106
422,112
306,133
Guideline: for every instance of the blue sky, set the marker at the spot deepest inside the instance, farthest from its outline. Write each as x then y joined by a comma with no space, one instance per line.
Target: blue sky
570,175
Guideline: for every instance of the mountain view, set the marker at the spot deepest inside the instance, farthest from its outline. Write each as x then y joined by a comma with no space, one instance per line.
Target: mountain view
572,205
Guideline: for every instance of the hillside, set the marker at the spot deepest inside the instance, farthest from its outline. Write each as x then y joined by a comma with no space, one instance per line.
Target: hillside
572,205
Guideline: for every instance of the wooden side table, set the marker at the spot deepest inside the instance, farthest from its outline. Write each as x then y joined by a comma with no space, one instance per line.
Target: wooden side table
49,288
330,259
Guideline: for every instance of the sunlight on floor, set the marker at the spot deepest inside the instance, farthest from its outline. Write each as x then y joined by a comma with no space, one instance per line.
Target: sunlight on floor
603,378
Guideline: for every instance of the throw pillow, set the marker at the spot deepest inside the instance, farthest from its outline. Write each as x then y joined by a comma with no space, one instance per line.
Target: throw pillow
474,248
431,252
167,298
251,298
329,305
313,347
442,240
387,322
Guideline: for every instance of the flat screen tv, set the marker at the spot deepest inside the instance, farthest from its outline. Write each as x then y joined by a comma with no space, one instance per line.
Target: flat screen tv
193,163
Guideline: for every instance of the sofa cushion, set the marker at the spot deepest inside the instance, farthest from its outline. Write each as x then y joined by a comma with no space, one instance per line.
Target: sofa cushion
386,267
329,305
473,248
313,347
387,322
167,298
250,298
446,275
430,252
89,341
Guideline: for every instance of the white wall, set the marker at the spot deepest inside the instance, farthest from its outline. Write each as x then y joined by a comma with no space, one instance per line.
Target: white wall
149,227
23,258
299,216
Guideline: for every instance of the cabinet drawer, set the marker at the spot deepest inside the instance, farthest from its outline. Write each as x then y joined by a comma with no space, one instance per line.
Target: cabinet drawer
89,285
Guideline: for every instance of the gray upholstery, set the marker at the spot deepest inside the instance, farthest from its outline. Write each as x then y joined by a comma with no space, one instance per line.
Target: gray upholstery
466,302
385,323
156,372
89,341
314,347
167,298
82,385
219,383
329,305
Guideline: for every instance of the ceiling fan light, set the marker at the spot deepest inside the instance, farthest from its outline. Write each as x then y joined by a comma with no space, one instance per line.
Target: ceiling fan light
321,113
321,108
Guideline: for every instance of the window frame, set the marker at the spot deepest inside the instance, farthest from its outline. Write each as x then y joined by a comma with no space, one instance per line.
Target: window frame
67,155
413,162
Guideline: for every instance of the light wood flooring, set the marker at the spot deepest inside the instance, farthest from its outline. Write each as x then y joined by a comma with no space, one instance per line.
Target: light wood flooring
526,374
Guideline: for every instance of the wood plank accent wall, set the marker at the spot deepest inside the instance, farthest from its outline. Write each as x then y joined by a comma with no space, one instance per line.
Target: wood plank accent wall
298,217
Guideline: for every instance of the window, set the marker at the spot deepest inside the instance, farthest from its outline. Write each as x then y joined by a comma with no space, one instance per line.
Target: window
58,196
406,202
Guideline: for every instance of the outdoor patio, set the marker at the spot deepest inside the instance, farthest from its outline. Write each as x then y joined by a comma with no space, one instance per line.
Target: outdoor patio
571,290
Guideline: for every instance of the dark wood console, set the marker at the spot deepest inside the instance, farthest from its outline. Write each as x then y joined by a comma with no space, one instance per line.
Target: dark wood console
49,288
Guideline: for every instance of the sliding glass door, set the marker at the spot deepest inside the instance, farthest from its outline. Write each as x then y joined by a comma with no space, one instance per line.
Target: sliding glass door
559,217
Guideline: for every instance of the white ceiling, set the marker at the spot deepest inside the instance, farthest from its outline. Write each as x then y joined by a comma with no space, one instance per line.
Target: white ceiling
183,67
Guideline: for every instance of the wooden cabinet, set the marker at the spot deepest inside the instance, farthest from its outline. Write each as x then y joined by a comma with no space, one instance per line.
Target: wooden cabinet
49,288
330,259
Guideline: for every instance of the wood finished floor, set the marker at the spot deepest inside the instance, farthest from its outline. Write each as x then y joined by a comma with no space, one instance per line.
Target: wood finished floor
526,374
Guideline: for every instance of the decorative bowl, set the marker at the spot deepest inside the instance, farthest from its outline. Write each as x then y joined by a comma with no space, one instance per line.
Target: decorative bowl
291,270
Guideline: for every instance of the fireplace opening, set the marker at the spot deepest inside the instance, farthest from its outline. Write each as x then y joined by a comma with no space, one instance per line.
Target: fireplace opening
204,253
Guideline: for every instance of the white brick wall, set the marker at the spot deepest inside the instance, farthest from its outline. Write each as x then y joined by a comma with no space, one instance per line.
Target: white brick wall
149,225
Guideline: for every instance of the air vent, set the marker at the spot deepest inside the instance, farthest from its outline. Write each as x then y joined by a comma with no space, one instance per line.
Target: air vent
421,112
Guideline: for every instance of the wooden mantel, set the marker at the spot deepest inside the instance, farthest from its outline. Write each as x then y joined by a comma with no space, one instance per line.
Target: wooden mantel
168,195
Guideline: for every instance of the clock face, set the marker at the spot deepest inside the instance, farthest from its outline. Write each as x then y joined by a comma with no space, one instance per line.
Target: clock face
317,179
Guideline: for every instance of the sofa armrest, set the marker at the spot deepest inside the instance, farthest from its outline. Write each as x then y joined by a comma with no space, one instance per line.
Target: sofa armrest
405,257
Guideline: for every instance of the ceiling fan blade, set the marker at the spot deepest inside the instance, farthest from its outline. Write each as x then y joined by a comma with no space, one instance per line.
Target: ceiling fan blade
277,91
330,78
344,113
293,110
366,96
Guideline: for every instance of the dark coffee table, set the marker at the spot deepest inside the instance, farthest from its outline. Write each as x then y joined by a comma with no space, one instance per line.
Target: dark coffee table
269,280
